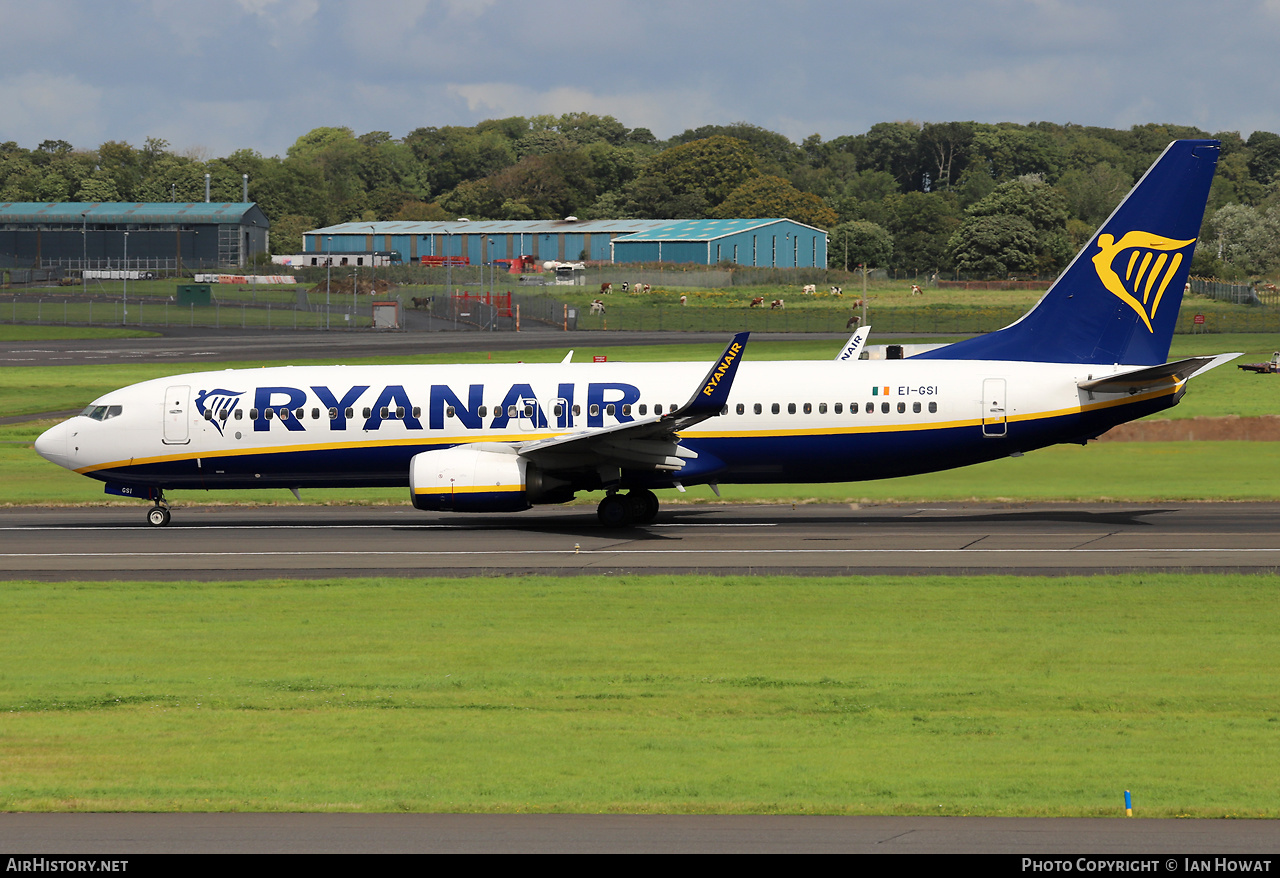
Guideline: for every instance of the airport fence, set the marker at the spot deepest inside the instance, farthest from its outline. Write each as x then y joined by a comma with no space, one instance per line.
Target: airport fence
77,311
517,312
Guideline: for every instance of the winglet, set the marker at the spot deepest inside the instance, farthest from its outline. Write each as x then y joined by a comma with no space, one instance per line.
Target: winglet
714,389
853,347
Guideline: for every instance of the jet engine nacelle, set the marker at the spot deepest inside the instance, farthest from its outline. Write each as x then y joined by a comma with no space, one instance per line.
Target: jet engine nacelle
474,478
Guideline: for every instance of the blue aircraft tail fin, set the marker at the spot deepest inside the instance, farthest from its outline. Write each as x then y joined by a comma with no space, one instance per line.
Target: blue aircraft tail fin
1118,300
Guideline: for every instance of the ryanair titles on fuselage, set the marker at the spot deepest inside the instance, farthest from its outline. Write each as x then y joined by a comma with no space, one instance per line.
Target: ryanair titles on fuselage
393,403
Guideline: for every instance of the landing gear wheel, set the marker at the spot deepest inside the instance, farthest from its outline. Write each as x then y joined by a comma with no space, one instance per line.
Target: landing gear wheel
614,511
158,516
645,504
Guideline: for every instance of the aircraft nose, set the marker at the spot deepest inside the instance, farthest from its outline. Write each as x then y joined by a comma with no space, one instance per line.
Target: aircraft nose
52,444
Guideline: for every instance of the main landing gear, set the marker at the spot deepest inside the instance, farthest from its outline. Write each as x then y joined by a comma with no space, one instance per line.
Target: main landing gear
158,515
639,506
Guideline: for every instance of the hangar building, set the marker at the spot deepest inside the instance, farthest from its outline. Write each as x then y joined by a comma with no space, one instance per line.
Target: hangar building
159,236
781,243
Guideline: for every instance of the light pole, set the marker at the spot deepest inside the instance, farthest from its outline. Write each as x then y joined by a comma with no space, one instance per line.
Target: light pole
328,274
124,317
84,257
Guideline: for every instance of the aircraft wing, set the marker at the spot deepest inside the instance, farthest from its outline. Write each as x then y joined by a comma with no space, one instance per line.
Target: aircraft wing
1153,377
646,442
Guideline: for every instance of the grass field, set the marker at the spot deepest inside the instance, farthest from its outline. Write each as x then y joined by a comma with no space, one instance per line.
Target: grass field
996,695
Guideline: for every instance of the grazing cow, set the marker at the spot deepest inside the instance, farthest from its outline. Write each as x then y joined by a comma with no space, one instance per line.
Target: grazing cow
597,306
640,288
684,300
809,289
625,286
836,291
916,291
776,305
606,289
853,321
420,302
757,302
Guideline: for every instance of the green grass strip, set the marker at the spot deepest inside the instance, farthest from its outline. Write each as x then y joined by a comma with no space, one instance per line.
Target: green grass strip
932,695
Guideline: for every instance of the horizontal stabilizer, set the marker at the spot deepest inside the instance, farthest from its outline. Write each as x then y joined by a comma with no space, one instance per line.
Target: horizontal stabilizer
1155,376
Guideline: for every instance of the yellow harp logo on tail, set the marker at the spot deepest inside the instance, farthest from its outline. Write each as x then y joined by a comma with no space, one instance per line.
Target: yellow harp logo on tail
1152,262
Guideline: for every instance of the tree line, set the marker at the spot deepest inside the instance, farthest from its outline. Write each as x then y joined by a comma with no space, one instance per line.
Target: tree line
974,198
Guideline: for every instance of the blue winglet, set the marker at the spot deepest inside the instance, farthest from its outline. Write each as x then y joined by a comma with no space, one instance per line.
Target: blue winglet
714,390
1118,300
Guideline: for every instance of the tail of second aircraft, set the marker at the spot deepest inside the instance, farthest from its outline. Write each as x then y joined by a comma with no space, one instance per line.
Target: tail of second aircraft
1118,300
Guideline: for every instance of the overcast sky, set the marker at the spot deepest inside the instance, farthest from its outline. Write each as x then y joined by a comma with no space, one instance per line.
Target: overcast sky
221,75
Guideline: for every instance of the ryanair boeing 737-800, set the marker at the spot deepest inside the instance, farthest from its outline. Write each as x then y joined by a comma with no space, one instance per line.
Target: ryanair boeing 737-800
500,438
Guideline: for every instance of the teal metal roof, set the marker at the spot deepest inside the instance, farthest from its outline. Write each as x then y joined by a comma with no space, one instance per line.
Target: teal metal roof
139,212
493,227
704,230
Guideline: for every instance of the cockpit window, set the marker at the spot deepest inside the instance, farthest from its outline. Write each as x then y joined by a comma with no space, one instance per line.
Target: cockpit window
101,412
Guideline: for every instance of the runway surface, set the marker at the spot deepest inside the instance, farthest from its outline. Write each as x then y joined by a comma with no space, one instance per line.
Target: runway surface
1152,840
221,543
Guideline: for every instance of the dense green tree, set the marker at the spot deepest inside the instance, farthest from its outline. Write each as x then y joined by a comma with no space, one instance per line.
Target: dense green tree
859,243
1091,194
774,153
921,223
769,196
944,151
994,246
894,147
696,175
1040,206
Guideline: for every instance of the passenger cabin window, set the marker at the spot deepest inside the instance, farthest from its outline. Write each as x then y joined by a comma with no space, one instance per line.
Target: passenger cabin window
657,409
758,408
742,409
933,408
644,409
351,413
884,408
775,408
839,407
333,414
791,408
483,411
915,407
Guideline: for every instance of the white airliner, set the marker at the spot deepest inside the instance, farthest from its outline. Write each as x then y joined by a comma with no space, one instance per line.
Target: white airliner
500,438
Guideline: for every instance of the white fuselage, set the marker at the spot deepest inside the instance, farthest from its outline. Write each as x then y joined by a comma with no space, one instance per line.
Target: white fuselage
785,421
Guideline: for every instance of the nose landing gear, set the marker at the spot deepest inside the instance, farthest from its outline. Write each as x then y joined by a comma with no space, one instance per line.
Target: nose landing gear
158,515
